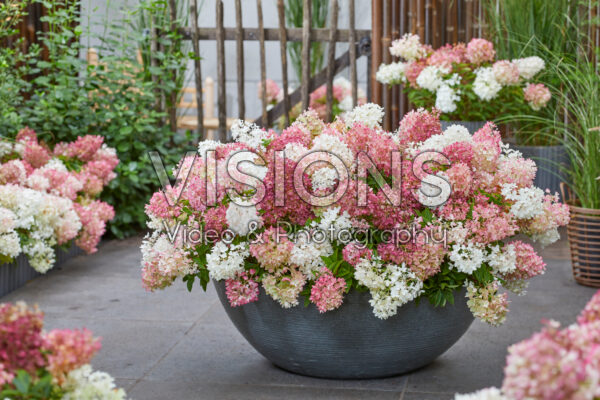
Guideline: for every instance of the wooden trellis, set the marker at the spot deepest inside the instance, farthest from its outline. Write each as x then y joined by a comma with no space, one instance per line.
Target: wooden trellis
359,42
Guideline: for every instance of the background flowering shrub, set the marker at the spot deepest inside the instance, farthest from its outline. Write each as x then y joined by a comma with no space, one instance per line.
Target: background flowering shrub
465,82
53,365
554,363
261,241
48,196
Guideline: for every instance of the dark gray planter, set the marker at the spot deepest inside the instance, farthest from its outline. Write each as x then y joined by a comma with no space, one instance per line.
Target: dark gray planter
350,342
551,161
472,126
18,273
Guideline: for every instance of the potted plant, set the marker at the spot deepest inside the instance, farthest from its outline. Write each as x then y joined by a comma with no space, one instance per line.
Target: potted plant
340,250
463,81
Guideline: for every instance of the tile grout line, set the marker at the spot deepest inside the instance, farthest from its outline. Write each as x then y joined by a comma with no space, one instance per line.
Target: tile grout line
404,388
173,346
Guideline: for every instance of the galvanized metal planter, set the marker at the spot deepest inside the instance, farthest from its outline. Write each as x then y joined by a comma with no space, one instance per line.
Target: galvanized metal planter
472,126
551,161
17,274
350,342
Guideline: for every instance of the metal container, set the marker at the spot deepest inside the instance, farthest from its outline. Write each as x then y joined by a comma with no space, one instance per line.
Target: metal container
472,126
551,162
350,342
19,272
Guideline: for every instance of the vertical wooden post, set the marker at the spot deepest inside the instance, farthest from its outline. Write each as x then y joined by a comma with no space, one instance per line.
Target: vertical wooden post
306,30
331,57
222,100
386,41
197,68
352,51
263,68
239,37
395,90
284,67
376,34
173,94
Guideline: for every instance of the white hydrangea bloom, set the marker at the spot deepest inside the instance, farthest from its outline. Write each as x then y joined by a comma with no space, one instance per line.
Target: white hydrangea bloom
10,244
308,250
408,47
547,237
334,145
7,220
41,255
529,66
431,78
390,285
55,164
324,178
467,257
391,74
225,261
294,151
207,145
248,133
369,114
242,216
484,394
502,260
528,202
485,86
85,384
453,134
5,148
446,99
333,223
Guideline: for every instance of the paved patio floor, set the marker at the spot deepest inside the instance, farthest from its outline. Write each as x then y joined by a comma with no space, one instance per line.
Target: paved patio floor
179,345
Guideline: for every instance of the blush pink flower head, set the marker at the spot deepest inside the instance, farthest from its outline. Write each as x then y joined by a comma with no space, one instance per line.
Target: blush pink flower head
537,95
328,291
506,72
69,350
480,51
273,91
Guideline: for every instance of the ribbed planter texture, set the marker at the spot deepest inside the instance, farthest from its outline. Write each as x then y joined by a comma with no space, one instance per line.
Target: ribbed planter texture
550,161
584,241
472,126
18,273
350,342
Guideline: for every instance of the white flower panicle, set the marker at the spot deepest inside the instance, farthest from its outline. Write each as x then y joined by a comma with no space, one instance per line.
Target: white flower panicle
391,74
467,257
248,133
308,250
452,134
446,99
225,261
242,216
502,260
529,66
484,394
485,86
431,78
85,384
369,114
408,47
528,202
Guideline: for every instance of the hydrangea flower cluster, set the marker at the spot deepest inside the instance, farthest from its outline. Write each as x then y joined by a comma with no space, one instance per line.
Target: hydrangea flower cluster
554,363
48,196
464,79
64,354
292,231
342,98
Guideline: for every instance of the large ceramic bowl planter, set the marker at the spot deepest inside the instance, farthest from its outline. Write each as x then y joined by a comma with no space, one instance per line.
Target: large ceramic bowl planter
472,126
349,342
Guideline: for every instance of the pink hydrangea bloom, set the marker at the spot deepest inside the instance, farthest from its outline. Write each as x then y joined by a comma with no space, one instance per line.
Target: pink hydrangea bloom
35,154
459,152
354,251
448,55
328,291
242,290
529,263
13,172
506,72
537,95
273,249
84,148
93,219
26,135
21,339
273,93
69,350
419,125
591,312
460,177
520,171
480,51
413,70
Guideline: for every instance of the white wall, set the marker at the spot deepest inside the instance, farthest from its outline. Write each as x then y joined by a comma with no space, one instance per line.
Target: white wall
96,10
